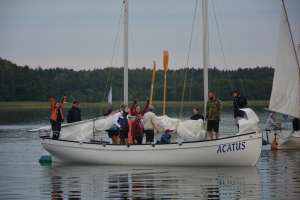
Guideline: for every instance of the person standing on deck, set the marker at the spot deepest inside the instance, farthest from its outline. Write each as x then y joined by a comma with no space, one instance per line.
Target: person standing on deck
149,122
137,129
133,108
238,103
114,131
213,112
57,116
123,124
74,114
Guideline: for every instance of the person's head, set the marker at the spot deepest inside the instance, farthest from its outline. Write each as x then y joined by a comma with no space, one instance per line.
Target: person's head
211,95
124,108
138,109
272,115
57,104
235,93
169,131
151,108
196,110
51,98
76,104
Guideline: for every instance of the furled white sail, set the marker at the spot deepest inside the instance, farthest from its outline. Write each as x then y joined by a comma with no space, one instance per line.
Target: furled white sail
286,86
187,130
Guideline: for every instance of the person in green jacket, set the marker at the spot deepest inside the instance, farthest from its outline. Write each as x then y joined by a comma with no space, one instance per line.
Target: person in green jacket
213,113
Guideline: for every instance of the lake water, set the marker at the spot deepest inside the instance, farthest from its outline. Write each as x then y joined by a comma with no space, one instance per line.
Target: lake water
276,176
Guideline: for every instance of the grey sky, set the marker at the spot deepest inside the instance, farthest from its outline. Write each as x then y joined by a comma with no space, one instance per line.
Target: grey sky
80,34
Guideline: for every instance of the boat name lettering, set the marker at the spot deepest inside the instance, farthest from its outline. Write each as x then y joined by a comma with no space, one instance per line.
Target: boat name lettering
237,146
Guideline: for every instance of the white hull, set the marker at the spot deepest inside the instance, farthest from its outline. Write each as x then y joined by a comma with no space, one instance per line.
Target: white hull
240,150
286,140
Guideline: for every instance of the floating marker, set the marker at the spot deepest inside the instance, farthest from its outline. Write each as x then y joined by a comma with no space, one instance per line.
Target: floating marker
45,159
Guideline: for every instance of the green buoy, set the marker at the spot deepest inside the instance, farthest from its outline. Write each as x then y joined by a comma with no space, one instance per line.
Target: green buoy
45,160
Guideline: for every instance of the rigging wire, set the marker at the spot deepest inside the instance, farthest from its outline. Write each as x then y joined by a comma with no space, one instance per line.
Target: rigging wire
188,56
114,54
191,84
220,42
223,52
192,72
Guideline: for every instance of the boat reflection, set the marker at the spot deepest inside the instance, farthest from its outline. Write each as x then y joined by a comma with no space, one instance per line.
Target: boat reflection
183,183
64,183
113,182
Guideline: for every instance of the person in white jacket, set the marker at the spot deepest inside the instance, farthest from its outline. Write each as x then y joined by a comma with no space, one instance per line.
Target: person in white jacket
150,124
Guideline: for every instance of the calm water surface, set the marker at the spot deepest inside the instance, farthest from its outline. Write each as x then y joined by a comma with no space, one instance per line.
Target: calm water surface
276,176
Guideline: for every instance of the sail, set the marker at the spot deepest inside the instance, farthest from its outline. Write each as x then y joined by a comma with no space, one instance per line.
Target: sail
286,86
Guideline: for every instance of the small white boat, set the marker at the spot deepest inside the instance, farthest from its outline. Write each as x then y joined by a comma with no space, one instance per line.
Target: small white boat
239,150
285,97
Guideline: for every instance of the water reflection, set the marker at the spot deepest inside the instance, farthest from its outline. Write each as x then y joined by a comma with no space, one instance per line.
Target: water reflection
63,183
110,182
187,183
280,174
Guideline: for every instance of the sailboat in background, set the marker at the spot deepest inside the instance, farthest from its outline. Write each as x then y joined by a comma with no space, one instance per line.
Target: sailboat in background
285,97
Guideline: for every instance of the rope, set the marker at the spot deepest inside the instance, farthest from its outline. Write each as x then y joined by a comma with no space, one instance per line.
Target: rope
223,52
220,42
191,83
188,56
115,45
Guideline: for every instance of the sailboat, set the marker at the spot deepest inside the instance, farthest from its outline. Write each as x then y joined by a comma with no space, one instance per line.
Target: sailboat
285,96
78,143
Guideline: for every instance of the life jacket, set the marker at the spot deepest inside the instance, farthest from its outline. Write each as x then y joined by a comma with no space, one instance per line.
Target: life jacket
138,127
54,112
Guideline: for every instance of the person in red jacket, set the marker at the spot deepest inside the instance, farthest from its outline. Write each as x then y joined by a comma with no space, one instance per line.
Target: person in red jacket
57,116
137,130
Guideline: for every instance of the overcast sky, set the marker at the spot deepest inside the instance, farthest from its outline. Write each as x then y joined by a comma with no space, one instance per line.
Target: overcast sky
80,34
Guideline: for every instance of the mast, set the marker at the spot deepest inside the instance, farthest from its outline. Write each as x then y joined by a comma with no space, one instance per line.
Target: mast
205,43
125,52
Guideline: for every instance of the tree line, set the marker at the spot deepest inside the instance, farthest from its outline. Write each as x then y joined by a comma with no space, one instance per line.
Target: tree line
21,83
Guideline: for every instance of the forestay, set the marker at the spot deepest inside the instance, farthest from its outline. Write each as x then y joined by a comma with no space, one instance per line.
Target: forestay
286,86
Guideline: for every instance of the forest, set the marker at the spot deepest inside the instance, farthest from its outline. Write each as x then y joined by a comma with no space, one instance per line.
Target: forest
22,83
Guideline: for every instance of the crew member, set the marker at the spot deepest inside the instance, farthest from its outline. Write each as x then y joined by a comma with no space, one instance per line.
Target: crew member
213,110
74,114
57,116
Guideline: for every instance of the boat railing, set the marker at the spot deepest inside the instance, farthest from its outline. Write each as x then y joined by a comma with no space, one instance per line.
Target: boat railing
45,133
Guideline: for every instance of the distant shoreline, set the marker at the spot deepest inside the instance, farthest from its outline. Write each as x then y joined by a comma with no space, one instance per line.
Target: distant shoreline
10,105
